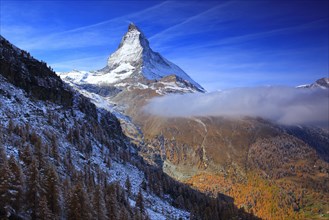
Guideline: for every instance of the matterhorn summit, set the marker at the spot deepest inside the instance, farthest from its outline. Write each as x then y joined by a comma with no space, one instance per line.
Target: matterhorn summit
131,49
132,63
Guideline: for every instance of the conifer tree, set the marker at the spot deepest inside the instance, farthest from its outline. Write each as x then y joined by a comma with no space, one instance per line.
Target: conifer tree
54,148
144,185
39,150
77,206
124,214
99,204
16,183
111,201
34,188
140,202
26,155
5,179
128,185
11,126
43,212
52,189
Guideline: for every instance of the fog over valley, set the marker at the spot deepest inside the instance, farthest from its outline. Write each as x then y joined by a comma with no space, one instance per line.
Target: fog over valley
284,105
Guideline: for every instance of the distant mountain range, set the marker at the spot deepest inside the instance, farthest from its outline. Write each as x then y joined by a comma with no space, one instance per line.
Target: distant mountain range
320,83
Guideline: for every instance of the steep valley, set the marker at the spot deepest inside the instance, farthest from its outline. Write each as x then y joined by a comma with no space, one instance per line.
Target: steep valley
62,157
270,170
267,171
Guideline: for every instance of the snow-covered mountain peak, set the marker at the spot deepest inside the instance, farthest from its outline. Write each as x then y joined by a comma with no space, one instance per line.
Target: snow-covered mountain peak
130,49
134,55
133,61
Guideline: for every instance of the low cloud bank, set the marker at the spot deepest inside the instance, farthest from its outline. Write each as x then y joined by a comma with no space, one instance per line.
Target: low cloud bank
283,105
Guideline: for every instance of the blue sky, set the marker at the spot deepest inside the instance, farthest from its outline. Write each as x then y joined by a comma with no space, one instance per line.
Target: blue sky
220,44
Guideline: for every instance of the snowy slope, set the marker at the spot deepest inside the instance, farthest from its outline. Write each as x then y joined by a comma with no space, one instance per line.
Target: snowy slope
56,118
14,101
134,60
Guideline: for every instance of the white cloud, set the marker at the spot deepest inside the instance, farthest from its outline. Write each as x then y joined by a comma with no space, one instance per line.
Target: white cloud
283,105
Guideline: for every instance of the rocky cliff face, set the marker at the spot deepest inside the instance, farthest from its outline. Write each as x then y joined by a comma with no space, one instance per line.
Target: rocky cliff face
35,77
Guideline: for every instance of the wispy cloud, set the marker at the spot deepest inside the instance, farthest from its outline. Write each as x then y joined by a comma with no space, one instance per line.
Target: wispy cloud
280,104
96,34
202,15
273,32
117,19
